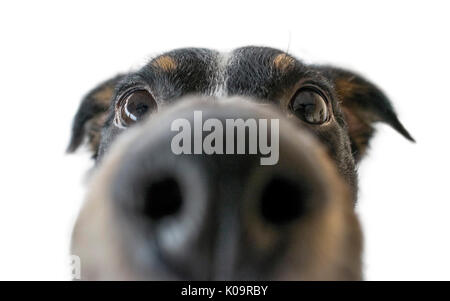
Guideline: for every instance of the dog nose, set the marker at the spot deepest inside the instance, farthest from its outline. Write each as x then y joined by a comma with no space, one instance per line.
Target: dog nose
197,211
173,192
215,216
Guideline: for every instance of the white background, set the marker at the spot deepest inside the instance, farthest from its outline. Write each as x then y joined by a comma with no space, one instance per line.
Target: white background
52,52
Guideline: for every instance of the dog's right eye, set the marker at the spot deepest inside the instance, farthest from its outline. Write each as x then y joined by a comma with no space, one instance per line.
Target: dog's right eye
134,106
310,106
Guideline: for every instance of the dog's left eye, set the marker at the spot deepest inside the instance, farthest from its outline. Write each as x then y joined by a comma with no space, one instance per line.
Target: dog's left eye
310,106
136,105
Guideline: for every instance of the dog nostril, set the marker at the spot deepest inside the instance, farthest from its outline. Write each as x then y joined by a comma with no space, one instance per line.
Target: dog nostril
162,199
282,201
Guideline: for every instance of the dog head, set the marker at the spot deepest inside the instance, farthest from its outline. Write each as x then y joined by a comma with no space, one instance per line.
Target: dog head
152,213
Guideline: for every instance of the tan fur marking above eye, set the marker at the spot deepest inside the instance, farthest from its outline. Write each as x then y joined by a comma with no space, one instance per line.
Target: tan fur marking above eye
104,95
165,63
283,62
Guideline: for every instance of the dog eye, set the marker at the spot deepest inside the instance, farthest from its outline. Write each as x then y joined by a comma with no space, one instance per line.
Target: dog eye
308,105
135,106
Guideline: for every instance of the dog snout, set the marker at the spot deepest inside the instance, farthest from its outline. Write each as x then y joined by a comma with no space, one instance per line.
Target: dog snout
225,215
199,212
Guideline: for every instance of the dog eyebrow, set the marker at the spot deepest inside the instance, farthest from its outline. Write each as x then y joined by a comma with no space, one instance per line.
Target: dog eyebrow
283,62
104,95
165,63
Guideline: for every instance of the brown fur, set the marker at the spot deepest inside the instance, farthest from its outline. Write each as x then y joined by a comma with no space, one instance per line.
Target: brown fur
165,63
283,62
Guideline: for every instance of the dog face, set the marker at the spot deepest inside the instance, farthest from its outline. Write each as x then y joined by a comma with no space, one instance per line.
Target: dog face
326,121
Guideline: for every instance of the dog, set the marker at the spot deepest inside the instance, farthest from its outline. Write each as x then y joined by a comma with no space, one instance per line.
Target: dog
151,214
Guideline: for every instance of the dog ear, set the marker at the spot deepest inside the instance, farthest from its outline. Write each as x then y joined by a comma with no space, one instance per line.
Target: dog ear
91,116
362,104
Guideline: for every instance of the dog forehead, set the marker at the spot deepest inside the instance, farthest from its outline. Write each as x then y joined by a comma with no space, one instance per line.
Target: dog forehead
261,72
252,71
264,57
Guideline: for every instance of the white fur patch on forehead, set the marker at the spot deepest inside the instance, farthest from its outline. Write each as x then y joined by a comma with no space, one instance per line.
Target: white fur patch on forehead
219,81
